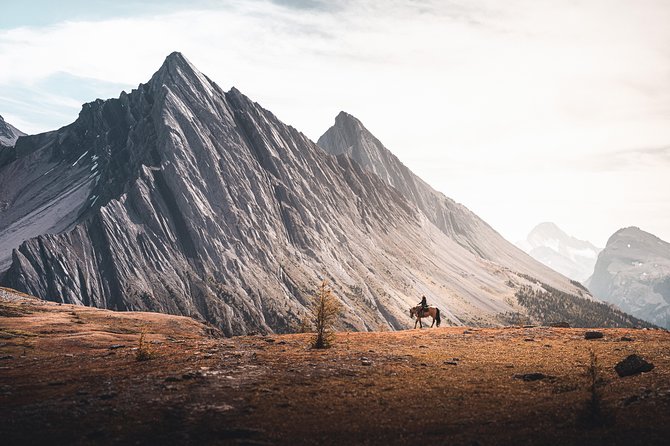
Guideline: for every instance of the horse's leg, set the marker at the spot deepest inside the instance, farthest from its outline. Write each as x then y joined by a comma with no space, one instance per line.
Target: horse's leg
420,323
415,322
431,325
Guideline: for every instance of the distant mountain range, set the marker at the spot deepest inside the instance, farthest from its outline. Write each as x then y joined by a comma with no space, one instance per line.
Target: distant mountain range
8,133
633,272
181,198
568,255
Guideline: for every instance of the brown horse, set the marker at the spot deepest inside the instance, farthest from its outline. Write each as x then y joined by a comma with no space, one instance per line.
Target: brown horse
434,312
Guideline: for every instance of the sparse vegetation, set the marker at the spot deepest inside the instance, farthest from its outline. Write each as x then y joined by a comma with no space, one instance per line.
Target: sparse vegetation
549,305
514,318
143,352
579,285
324,313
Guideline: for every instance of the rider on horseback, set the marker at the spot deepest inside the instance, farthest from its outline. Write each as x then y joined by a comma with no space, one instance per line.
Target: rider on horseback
424,306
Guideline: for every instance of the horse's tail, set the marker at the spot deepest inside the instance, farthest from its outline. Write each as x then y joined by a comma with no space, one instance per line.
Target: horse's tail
438,319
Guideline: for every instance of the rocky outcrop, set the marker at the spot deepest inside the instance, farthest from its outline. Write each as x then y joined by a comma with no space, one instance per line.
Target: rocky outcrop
8,133
633,272
181,198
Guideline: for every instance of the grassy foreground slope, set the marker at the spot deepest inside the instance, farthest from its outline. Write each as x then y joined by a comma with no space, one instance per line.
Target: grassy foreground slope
70,375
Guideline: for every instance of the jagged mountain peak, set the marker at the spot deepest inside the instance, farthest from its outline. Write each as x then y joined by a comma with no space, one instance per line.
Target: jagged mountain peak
350,137
178,74
176,60
8,133
343,118
179,197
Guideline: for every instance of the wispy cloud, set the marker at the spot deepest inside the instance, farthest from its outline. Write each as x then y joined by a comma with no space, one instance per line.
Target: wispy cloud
499,88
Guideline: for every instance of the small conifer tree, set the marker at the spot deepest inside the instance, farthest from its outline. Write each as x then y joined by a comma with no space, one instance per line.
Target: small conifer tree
324,314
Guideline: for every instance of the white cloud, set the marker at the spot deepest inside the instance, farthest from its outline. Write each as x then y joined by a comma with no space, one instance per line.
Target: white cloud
500,97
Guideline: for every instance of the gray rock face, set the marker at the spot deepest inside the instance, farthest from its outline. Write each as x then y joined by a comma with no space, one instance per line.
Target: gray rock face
181,198
349,137
550,245
8,136
633,272
8,133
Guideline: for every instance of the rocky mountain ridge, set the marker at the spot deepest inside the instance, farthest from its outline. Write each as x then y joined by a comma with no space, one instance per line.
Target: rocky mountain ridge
8,133
181,198
633,272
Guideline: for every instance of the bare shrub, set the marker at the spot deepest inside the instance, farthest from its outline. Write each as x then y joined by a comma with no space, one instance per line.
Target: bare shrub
143,352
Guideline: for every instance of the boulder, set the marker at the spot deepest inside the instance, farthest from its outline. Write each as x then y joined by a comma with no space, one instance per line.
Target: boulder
593,335
560,325
531,376
633,365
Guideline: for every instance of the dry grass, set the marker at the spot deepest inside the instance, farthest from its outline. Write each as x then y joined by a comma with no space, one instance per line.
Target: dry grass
437,386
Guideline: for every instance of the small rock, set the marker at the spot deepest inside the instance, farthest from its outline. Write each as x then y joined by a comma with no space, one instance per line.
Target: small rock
626,339
529,340
108,396
529,326
593,335
171,379
281,342
560,325
269,340
366,362
633,365
450,362
531,376
630,400
115,346
7,357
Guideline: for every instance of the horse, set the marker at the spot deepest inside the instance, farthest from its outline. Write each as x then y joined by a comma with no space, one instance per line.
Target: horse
433,312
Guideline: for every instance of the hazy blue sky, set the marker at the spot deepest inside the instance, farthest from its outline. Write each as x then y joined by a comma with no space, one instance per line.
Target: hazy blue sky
523,110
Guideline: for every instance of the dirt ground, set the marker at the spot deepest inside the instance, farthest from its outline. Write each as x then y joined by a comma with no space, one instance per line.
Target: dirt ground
70,375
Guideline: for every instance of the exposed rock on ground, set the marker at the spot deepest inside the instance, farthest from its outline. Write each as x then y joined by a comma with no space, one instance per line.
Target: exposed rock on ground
633,365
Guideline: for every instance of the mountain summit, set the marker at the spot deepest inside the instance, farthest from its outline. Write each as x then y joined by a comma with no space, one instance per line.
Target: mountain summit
633,272
568,255
348,136
8,133
181,198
